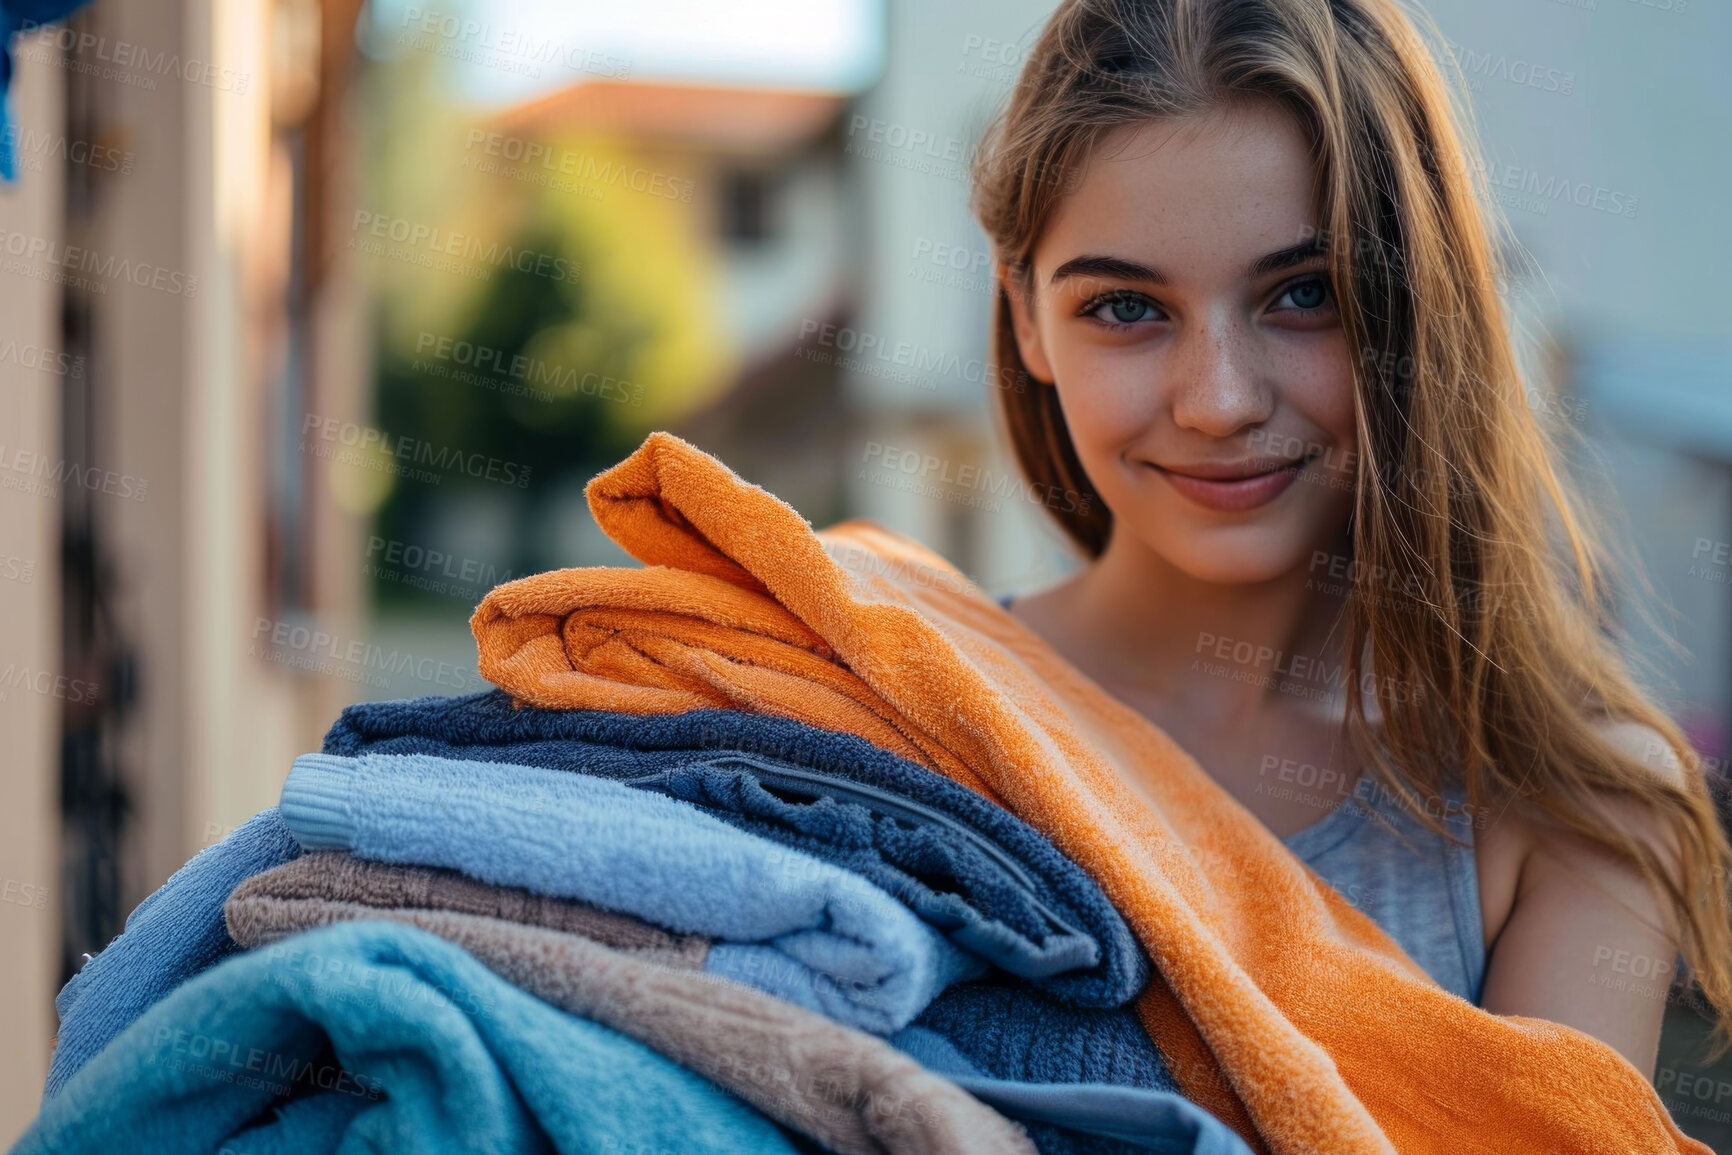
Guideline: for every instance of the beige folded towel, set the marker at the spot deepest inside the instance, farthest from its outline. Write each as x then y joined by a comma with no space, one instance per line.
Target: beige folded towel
340,876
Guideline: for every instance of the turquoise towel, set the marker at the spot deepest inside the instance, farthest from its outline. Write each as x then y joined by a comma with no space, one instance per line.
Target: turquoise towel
378,1036
783,921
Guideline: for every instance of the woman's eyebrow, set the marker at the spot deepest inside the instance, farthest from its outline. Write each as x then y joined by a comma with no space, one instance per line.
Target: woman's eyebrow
1121,269
1115,267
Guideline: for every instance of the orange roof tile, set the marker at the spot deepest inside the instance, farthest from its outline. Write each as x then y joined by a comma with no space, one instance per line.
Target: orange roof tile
724,118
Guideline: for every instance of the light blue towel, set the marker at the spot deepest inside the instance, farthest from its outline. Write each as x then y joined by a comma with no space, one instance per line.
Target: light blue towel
378,1036
170,936
783,921
987,880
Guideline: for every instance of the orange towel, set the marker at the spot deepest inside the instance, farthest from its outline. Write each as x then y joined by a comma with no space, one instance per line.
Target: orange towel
1280,1008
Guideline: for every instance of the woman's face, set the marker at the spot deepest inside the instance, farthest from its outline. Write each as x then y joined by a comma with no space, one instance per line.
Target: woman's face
1181,306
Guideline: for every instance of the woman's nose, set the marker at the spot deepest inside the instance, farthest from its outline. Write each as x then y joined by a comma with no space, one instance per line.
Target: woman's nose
1216,387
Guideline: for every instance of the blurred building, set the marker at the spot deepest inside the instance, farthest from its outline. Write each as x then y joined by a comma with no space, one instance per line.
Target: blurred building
771,211
920,389
181,167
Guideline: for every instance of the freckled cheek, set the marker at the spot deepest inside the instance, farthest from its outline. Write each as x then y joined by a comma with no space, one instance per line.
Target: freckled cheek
1108,399
1317,380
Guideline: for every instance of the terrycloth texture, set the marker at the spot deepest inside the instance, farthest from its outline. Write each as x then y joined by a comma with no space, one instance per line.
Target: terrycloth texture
169,937
1329,1038
1010,1032
1009,914
1420,887
338,877
1082,1118
399,1042
851,1091
783,922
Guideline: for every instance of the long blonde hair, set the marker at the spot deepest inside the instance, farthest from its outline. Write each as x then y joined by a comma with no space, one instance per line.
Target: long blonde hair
1509,655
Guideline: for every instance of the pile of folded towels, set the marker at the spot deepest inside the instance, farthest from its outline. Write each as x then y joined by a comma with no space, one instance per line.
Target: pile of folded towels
471,925
785,842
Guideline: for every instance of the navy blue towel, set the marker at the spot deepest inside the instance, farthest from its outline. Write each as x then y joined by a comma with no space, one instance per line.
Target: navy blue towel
1081,1117
1034,1047
987,880
1009,1031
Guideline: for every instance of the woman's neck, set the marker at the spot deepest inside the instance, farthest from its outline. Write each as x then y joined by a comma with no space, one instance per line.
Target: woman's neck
1148,631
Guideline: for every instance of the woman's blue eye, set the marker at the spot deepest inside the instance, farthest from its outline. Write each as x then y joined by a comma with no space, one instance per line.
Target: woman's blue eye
1308,294
1127,310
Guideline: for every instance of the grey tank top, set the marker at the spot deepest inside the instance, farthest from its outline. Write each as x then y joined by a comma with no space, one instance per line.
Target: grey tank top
1421,889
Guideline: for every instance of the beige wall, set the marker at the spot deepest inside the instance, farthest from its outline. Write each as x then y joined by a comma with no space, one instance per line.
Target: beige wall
218,727
29,635
180,387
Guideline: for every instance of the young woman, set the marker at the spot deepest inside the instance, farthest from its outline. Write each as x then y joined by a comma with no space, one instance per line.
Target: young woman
1242,260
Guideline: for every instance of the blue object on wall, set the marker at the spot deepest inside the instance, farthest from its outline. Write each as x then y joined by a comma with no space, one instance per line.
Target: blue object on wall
17,16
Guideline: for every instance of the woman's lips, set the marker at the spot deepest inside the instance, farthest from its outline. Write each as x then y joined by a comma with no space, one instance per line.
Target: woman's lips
1237,494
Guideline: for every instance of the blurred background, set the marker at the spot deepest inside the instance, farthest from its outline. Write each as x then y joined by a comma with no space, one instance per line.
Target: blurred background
316,316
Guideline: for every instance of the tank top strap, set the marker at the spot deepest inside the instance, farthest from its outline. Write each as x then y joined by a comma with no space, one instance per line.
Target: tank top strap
1421,888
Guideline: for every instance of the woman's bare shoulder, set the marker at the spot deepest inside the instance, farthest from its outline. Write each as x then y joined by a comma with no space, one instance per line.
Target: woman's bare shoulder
1510,834
1578,935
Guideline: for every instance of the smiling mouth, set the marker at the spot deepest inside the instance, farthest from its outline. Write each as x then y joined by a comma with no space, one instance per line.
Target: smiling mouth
1235,487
